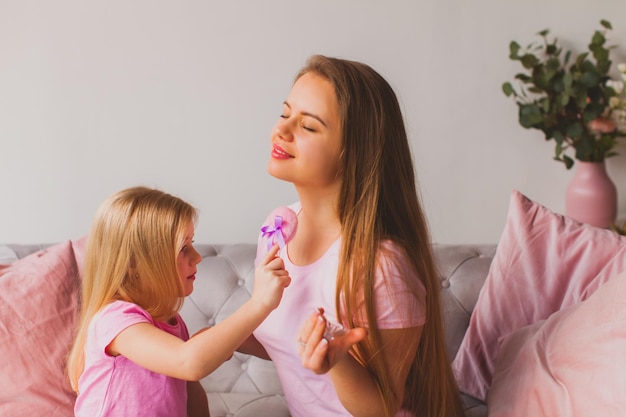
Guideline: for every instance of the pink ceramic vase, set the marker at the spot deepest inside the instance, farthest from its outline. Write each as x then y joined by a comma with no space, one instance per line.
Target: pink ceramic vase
591,196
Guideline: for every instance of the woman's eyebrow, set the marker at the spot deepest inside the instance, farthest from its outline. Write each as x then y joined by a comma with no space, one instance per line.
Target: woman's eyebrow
309,114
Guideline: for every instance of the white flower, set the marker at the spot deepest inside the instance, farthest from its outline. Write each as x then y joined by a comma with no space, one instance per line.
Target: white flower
622,68
618,86
614,102
619,118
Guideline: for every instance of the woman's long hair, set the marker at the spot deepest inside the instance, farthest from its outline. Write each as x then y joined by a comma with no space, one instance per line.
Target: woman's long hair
131,256
379,203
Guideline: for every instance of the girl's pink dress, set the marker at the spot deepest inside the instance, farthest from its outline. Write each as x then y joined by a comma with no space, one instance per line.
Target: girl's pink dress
115,386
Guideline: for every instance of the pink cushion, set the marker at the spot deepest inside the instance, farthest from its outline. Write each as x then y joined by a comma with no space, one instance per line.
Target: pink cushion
38,312
571,365
544,262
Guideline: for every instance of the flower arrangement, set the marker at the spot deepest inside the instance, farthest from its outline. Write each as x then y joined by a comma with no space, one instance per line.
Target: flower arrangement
617,104
576,104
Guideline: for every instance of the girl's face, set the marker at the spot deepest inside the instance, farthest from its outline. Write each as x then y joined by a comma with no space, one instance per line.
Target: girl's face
187,260
306,141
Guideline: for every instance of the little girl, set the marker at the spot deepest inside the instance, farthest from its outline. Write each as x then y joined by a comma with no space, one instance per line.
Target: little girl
133,355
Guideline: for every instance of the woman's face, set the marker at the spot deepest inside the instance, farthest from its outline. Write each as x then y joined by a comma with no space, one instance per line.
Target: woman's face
187,260
306,141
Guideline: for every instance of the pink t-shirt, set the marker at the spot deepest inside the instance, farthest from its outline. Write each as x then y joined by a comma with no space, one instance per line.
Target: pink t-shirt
115,386
313,286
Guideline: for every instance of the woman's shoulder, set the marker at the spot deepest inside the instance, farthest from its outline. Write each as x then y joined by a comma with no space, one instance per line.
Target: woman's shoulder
393,259
391,251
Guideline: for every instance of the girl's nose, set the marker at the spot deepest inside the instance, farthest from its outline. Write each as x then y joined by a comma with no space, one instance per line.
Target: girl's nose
197,258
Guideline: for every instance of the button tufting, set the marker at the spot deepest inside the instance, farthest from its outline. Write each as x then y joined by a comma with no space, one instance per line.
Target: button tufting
211,322
241,282
244,366
445,283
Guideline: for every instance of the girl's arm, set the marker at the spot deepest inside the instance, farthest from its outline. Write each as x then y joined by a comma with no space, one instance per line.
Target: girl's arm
354,385
161,352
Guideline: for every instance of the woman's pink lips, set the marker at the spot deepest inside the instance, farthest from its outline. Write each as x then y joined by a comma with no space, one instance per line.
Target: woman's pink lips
279,153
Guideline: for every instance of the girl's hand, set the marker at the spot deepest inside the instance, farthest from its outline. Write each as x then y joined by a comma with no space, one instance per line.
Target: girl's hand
270,279
319,354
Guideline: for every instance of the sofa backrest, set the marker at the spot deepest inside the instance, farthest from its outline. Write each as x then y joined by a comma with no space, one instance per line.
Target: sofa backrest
462,269
224,281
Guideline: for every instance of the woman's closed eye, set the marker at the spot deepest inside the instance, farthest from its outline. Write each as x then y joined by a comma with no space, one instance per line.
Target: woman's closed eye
308,128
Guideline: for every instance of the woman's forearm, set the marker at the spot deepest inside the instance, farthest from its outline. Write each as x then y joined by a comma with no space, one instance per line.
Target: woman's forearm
356,388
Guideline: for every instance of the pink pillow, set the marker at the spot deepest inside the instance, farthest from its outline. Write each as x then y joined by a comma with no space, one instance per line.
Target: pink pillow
39,297
544,262
571,365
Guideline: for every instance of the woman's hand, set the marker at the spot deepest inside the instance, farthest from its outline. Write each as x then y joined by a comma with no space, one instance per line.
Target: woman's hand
320,354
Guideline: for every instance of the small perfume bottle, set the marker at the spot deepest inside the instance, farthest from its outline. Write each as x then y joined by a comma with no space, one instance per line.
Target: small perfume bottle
332,329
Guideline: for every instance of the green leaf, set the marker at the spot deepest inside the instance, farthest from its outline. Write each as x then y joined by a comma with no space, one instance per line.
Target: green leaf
508,90
529,61
575,130
553,65
590,114
558,150
568,54
598,38
606,24
581,57
544,33
530,115
590,79
559,138
514,49
569,162
567,81
600,54
604,65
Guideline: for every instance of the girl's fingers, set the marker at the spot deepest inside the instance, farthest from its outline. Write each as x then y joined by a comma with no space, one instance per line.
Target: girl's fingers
270,255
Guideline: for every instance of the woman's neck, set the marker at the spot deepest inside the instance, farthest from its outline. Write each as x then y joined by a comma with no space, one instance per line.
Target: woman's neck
318,228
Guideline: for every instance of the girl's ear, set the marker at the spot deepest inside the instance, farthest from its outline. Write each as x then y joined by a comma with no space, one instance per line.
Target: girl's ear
132,273
132,268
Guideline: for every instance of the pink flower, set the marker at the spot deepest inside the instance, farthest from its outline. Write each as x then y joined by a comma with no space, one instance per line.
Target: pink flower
602,125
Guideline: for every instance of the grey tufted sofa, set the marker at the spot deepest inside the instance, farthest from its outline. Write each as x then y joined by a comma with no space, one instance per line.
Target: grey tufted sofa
247,386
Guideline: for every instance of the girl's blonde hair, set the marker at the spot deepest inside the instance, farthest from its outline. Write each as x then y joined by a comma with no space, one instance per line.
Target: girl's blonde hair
378,203
131,256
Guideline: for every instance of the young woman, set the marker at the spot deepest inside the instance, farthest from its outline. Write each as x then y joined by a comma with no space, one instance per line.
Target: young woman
361,257
133,355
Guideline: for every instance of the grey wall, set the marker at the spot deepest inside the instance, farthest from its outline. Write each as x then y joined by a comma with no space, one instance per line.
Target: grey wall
98,96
